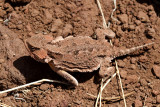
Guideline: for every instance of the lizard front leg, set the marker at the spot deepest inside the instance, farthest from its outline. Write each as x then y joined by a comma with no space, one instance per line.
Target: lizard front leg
64,74
106,69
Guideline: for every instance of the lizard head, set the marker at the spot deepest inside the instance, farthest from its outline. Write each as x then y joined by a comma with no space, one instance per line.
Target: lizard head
36,47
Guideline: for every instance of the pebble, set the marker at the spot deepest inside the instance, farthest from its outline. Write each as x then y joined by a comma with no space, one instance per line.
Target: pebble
44,87
132,66
143,16
137,22
156,70
132,78
57,23
1,61
123,74
133,60
143,82
138,103
47,17
132,27
5,36
158,99
123,18
150,32
155,92
121,64
143,59
67,30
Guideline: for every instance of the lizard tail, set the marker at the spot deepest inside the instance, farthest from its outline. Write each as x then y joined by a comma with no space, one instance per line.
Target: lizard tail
128,51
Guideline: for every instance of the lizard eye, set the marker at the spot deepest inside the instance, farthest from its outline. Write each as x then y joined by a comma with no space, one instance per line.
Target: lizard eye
31,48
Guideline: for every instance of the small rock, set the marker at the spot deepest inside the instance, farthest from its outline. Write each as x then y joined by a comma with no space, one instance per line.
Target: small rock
158,99
2,13
123,74
35,13
133,60
143,82
102,33
57,23
121,64
44,87
155,92
156,70
5,36
132,27
138,103
132,78
109,33
116,42
149,100
123,18
132,66
3,95
150,32
137,22
143,16
28,27
67,30
143,59
47,17
1,61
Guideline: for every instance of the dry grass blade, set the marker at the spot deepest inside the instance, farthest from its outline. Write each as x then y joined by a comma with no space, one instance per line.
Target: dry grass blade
117,70
112,98
105,26
29,84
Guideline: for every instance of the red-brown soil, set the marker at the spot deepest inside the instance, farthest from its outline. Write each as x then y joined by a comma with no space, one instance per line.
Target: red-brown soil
138,23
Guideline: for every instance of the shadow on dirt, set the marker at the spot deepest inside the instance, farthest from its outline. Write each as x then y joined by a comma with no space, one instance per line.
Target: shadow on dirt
155,3
33,71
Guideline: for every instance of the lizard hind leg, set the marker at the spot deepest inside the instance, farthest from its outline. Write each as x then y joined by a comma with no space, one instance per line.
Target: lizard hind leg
65,75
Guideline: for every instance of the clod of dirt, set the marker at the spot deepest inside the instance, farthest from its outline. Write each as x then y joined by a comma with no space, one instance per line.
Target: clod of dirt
143,16
158,99
121,64
143,82
138,103
132,78
123,18
57,24
150,32
47,17
44,87
67,30
2,13
123,74
155,92
102,33
156,70
2,60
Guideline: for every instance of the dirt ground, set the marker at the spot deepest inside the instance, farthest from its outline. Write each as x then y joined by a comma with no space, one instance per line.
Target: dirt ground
138,22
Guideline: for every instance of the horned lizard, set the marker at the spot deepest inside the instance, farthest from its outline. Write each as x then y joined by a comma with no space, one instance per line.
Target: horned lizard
75,54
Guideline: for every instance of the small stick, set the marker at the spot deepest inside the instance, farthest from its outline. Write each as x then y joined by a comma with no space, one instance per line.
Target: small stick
29,84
